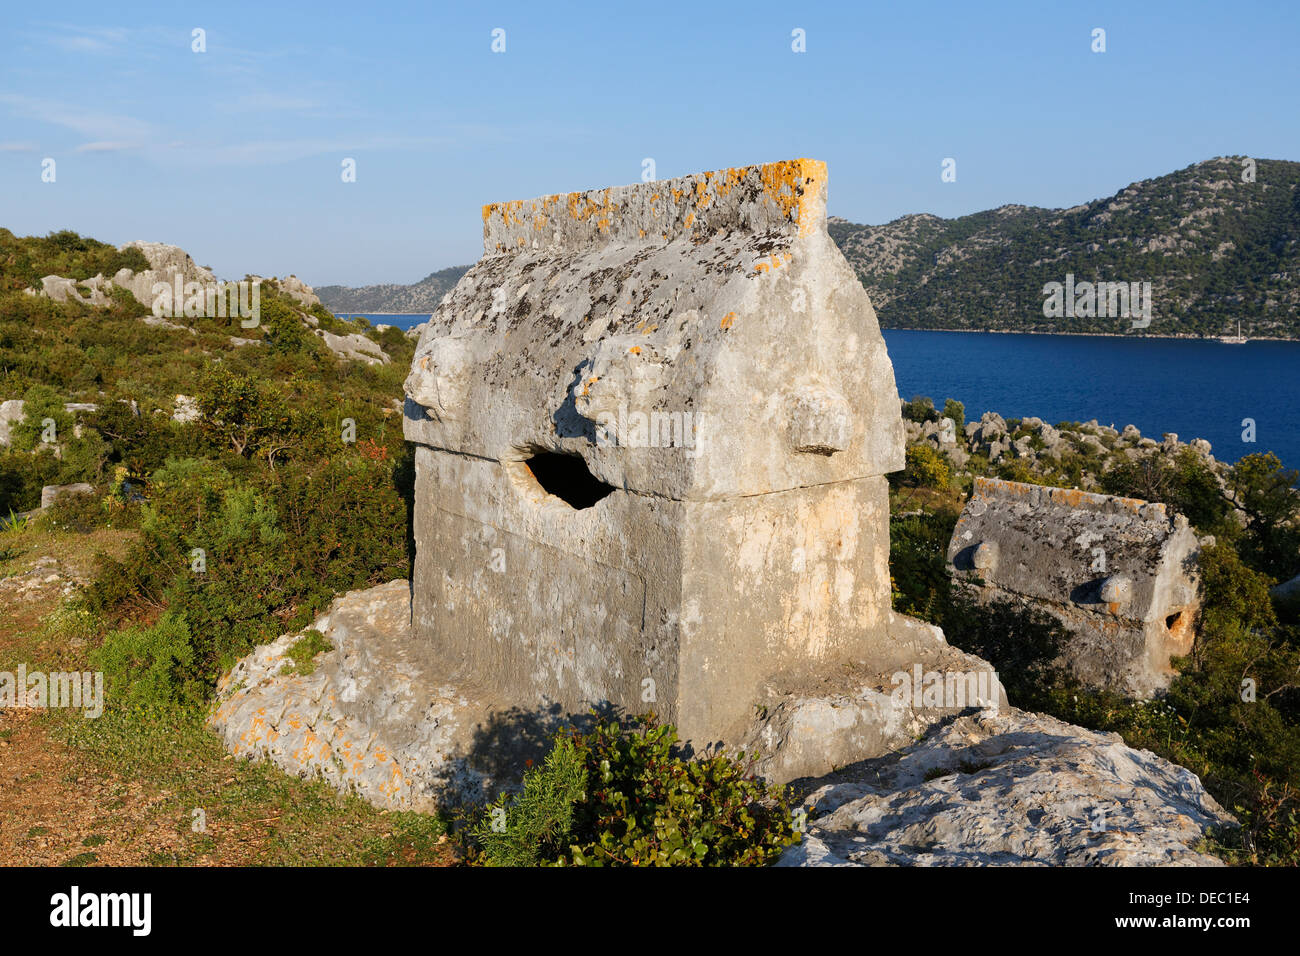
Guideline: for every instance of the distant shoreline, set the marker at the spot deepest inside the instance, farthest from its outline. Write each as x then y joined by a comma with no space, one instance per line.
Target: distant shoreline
1100,335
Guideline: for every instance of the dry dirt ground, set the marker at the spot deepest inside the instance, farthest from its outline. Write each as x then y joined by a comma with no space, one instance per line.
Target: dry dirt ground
115,791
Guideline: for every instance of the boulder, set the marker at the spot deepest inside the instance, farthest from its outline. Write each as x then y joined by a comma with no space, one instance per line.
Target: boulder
186,409
11,413
52,493
1010,788
66,290
355,346
299,291
166,262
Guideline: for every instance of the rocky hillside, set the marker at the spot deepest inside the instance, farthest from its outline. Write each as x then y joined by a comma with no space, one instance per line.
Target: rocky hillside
423,296
1214,248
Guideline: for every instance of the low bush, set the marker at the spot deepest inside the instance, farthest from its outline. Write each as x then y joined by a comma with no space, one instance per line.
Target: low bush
623,795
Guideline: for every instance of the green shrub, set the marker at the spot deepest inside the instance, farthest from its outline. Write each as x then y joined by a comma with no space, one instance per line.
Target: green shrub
1266,492
957,412
1184,483
918,563
42,404
345,517
920,410
150,665
926,468
304,650
536,826
80,512
622,795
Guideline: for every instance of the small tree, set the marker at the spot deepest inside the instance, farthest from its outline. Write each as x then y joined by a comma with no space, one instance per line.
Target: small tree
252,419
957,412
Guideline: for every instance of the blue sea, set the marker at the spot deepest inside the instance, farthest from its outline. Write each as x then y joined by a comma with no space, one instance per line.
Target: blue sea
1194,387
403,320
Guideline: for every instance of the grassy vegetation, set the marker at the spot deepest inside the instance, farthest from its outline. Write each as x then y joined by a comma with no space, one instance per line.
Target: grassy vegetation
282,509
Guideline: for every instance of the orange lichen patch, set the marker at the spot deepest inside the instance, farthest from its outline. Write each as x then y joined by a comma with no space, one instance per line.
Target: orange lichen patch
727,320
642,233
509,211
582,208
588,383
690,219
729,179
539,221
793,185
774,261
703,199
635,350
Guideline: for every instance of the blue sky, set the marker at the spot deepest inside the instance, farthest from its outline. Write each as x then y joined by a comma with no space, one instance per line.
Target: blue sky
235,154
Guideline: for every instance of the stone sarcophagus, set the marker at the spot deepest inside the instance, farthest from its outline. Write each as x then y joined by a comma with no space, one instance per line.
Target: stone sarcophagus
1120,574
651,429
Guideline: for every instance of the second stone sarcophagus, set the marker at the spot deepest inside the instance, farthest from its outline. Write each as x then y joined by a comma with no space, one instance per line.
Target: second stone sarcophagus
1120,574
651,428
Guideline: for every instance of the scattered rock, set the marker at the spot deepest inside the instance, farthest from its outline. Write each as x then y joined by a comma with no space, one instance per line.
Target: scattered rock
1011,789
11,413
354,346
186,409
52,493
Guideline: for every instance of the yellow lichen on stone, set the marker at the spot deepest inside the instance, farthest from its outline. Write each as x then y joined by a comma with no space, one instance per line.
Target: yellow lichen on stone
793,185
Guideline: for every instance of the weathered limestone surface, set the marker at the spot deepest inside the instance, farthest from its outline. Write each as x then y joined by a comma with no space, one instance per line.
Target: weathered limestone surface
165,263
750,543
802,730
354,346
368,719
11,413
1011,789
1119,573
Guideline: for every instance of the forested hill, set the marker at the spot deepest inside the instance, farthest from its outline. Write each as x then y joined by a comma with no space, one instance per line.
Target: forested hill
422,296
1214,248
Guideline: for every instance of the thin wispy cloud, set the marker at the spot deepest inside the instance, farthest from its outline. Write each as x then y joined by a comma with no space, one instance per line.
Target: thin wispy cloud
266,103
90,41
18,147
91,124
104,147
